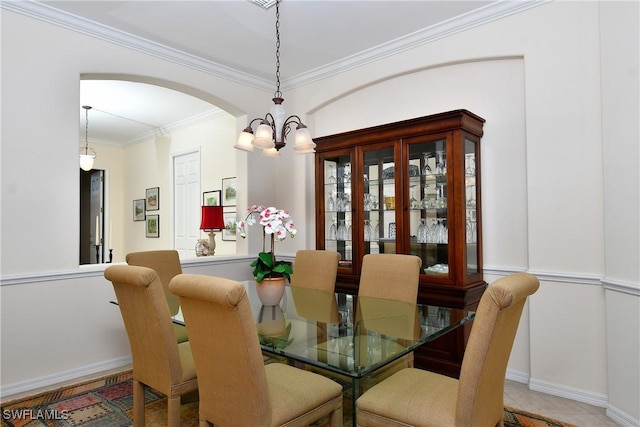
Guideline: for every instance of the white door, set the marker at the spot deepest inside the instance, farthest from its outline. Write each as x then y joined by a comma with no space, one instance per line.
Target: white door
186,203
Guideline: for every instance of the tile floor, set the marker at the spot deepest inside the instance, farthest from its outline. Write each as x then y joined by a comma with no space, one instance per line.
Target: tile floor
518,395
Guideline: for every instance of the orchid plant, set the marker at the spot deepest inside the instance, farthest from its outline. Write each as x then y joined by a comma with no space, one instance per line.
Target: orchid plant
277,224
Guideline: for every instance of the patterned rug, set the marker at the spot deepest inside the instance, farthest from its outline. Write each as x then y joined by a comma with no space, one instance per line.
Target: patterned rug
108,401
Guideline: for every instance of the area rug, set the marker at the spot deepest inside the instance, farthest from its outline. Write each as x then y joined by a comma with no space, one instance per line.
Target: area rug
108,402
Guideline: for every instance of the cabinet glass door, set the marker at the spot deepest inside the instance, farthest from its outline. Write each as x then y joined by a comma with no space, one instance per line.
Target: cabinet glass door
471,198
380,201
428,202
338,208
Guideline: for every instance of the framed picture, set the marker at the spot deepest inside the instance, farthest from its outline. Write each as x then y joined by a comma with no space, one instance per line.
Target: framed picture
138,210
153,199
153,226
211,198
229,191
229,232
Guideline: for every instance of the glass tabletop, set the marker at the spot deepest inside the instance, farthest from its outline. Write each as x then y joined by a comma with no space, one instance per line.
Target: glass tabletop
346,334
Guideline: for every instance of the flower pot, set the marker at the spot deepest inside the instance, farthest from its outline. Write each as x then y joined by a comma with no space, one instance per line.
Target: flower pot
271,290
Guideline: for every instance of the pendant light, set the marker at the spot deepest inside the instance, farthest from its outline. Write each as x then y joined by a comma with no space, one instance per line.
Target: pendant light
272,131
87,155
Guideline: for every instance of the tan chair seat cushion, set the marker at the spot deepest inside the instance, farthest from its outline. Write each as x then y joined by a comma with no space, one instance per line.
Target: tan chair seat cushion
413,397
294,391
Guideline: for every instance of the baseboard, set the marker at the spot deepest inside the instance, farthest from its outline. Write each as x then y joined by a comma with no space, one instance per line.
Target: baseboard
517,376
621,418
35,384
584,396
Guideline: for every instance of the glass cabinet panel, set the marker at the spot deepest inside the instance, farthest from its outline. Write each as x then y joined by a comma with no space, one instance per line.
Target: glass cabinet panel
428,201
471,197
338,208
379,204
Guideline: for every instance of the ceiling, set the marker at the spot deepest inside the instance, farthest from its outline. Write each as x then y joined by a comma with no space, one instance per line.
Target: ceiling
236,38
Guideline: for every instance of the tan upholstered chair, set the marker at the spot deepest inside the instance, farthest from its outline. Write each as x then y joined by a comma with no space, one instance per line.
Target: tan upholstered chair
158,360
166,264
390,276
394,277
236,387
315,269
420,398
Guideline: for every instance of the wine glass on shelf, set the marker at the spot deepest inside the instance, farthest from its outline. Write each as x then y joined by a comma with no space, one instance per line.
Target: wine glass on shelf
413,202
331,204
332,175
426,169
333,230
368,231
342,230
441,162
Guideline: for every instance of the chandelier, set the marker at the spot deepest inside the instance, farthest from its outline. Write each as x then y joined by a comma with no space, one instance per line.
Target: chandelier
273,129
87,155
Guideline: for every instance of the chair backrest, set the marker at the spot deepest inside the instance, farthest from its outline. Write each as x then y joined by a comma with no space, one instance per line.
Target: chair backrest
148,323
390,276
166,264
226,352
484,366
315,269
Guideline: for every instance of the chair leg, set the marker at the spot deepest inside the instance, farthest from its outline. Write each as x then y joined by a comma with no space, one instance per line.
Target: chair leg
173,411
138,404
335,419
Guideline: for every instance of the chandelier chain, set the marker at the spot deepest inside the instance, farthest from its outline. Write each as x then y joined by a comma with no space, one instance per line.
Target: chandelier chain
277,94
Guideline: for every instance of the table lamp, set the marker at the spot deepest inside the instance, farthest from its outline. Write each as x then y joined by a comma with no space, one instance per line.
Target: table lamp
212,220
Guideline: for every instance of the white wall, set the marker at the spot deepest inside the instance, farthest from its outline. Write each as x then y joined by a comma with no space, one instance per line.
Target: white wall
551,113
543,189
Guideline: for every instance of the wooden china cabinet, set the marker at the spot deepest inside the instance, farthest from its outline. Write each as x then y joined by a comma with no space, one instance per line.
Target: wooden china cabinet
411,187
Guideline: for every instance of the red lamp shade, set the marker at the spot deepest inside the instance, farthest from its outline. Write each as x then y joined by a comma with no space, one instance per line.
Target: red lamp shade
212,218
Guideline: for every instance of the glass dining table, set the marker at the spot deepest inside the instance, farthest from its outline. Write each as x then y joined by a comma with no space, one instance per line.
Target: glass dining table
343,336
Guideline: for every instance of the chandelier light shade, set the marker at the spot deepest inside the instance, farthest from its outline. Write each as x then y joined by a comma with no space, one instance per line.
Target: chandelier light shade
87,155
211,221
271,133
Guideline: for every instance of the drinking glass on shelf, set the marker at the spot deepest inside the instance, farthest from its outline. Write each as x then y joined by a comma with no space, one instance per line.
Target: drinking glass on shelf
413,202
331,204
422,231
332,175
368,231
470,164
376,232
426,169
426,202
441,162
333,233
342,231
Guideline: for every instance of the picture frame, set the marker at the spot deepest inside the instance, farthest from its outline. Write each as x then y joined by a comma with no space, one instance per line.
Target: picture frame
139,210
152,199
212,198
152,229
230,226
229,191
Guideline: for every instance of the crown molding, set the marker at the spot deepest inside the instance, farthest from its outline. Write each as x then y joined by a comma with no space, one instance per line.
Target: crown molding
487,14
91,28
476,18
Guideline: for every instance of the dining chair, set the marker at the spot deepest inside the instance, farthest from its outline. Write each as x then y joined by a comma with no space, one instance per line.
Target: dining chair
315,269
390,276
236,387
420,398
166,264
393,277
159,361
